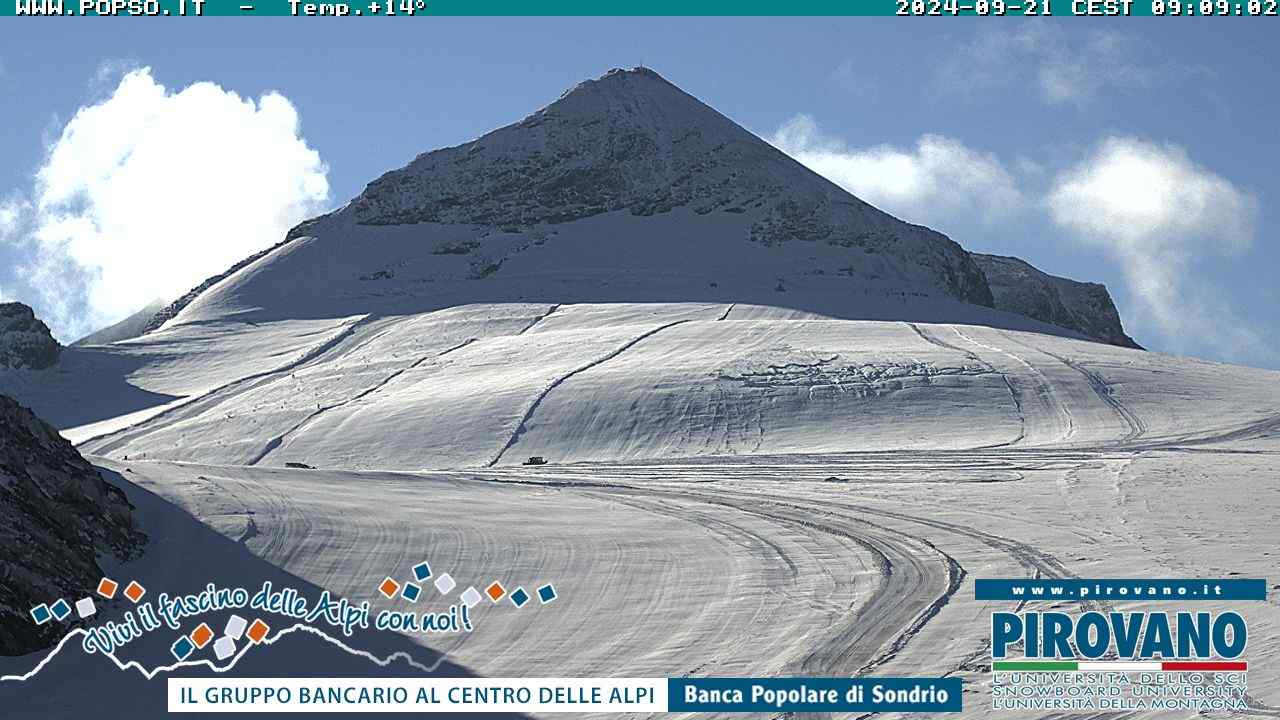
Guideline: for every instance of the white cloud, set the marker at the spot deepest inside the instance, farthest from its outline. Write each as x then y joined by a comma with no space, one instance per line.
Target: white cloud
936,182
1157,212
1064,68
149,191
10,217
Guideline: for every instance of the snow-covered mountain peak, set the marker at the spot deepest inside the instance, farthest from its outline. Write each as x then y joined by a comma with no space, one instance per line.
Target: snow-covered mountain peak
651,167
625,189
624,86
626,141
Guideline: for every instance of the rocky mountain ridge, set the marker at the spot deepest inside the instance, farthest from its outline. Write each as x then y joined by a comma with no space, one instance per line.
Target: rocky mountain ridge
57,518
1019,287
25,341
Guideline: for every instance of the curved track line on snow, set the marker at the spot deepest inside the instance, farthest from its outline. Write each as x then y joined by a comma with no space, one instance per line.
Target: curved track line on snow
1044,380
854,646
275,442
1101,388
1014,394
932,340
141,428
521,427
551,309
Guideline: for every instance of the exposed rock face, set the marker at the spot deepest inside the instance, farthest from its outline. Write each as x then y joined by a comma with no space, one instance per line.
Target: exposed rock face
1085,307
57,515
25,342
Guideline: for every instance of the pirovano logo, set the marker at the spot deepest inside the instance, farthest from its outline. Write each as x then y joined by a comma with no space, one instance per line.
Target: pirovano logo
1105,658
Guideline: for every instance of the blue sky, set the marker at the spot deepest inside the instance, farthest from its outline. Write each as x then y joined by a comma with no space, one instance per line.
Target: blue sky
1140,153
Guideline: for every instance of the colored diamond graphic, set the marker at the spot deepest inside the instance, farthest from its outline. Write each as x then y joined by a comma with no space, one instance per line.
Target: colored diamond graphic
41,614
519,597
445,583
470,597
235,627
135,591
224,648
495,591
546,593
107,588
258,630
411,592
422,572
202,635
60,609
389,588
182,648
85,607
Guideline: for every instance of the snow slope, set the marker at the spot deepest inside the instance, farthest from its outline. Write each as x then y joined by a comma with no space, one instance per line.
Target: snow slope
481,385
623,274
784,565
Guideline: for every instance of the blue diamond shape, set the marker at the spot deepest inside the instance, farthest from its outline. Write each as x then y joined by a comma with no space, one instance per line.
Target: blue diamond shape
546,593
182,648
422,571
519,597
411,592
60,609
40,614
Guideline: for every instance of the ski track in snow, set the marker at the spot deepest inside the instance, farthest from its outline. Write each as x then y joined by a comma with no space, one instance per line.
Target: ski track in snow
118,437
522,426
1013,392
1136,428
277,441
1045,387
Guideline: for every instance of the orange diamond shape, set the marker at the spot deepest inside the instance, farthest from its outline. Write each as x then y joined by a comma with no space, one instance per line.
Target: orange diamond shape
495,591
135,591
258,630
389,588
107,588
201,635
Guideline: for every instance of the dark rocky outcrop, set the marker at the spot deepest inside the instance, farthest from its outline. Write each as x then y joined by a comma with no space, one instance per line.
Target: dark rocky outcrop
25,341
1084,307
57,517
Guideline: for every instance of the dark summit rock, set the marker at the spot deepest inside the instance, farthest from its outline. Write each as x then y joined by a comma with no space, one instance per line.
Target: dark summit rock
25,341
1084,307
57,516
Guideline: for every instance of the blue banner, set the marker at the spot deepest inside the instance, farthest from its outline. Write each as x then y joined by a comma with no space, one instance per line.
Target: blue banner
774,695
1122,589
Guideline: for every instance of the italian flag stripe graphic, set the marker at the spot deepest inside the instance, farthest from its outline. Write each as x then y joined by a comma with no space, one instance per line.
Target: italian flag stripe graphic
1117,665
